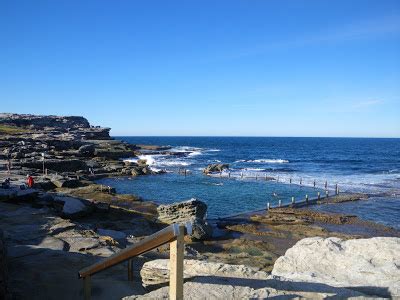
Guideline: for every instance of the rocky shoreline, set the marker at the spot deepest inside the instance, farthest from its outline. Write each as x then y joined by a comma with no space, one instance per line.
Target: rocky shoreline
66,221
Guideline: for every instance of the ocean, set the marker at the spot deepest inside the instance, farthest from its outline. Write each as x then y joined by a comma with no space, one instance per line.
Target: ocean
355,164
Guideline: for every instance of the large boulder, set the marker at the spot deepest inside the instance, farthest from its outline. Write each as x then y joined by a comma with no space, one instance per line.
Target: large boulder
66,183
192,210
182,211
215,168
209,280
367,265
72,208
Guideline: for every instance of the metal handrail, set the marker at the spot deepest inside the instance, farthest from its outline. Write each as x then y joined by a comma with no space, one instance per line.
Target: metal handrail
172,234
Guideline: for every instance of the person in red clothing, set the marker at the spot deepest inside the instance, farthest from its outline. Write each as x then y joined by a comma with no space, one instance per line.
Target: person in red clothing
30,181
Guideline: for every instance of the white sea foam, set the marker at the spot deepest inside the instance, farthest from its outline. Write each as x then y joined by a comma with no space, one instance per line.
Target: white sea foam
262,160
171,163
159,160
150,159
195,153
270,161
180,149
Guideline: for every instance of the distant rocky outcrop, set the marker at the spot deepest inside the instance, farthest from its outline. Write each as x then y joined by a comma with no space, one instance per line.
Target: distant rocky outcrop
64,127
44,122
370,266
215,168
192,210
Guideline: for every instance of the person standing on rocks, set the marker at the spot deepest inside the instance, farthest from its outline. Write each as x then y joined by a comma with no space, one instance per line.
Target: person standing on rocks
30,182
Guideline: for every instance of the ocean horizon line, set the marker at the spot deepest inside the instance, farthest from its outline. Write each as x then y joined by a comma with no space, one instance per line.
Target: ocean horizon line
254,136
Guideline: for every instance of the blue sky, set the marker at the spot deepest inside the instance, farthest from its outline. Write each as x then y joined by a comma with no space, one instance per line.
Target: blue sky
253,68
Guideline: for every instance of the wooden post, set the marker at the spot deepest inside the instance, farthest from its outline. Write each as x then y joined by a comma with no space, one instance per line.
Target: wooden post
290,180
326,184
337,189
256,176
319,195
301,181
229,175
314,183
86,288
176,253
130,269
185,172
268,206
280,203
241,174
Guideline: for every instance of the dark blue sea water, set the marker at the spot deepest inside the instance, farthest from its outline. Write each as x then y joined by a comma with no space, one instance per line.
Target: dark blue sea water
365,165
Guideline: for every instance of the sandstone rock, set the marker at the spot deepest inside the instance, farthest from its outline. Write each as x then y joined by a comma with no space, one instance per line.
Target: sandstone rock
215,168
207,280
66,183
53,244
182,211
40,122
102,206
16,194
368,265
156,272
201,230
211,287
192,210
72,207
45,185
117,235
135,172
58,165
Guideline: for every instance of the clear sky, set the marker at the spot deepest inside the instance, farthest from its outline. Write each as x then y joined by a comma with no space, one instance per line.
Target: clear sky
255,68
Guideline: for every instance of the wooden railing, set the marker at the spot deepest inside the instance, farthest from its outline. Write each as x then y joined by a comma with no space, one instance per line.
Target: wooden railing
172,234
